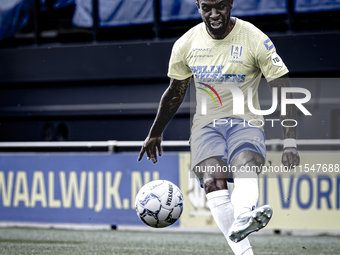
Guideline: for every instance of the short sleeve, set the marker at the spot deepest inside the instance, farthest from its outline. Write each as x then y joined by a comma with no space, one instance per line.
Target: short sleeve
269,61
178,69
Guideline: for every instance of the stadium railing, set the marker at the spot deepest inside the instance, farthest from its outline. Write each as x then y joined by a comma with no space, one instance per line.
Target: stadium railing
273,144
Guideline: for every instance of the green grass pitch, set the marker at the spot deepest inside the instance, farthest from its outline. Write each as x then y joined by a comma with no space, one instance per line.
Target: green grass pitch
57,241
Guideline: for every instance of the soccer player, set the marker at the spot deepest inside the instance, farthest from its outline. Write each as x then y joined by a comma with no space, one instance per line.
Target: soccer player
226,56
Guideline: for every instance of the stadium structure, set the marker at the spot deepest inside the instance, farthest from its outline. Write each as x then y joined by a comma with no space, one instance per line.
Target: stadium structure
80,84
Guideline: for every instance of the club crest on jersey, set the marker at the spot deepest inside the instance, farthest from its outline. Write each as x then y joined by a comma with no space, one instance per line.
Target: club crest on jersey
236,51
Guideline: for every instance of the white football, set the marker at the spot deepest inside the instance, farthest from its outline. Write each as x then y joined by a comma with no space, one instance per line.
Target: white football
159,203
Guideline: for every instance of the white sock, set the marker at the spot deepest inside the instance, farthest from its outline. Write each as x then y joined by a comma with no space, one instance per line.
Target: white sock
245,195
223,212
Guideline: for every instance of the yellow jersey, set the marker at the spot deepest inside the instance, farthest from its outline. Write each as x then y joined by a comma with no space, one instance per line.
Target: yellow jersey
224,70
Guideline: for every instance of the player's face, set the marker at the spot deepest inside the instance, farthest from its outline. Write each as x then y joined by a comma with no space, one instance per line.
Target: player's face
216,16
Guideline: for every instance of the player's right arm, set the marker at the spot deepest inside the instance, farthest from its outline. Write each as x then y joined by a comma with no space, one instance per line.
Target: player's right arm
168,106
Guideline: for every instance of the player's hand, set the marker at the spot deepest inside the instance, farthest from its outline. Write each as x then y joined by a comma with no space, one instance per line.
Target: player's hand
150,146
290,157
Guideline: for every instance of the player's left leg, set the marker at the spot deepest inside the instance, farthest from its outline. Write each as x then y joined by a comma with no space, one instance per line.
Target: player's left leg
246,156
247,165
219,203
208,147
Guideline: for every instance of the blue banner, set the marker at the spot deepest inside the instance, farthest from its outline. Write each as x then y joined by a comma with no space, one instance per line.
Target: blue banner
77,188
172,10
316,5
114,13
178,10
244,8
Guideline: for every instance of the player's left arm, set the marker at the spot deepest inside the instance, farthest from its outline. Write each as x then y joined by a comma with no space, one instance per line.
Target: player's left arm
290,156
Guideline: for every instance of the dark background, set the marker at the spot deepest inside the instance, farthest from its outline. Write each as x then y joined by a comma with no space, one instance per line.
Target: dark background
79,84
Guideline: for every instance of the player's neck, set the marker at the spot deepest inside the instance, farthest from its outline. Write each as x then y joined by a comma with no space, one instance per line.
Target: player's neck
231,24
